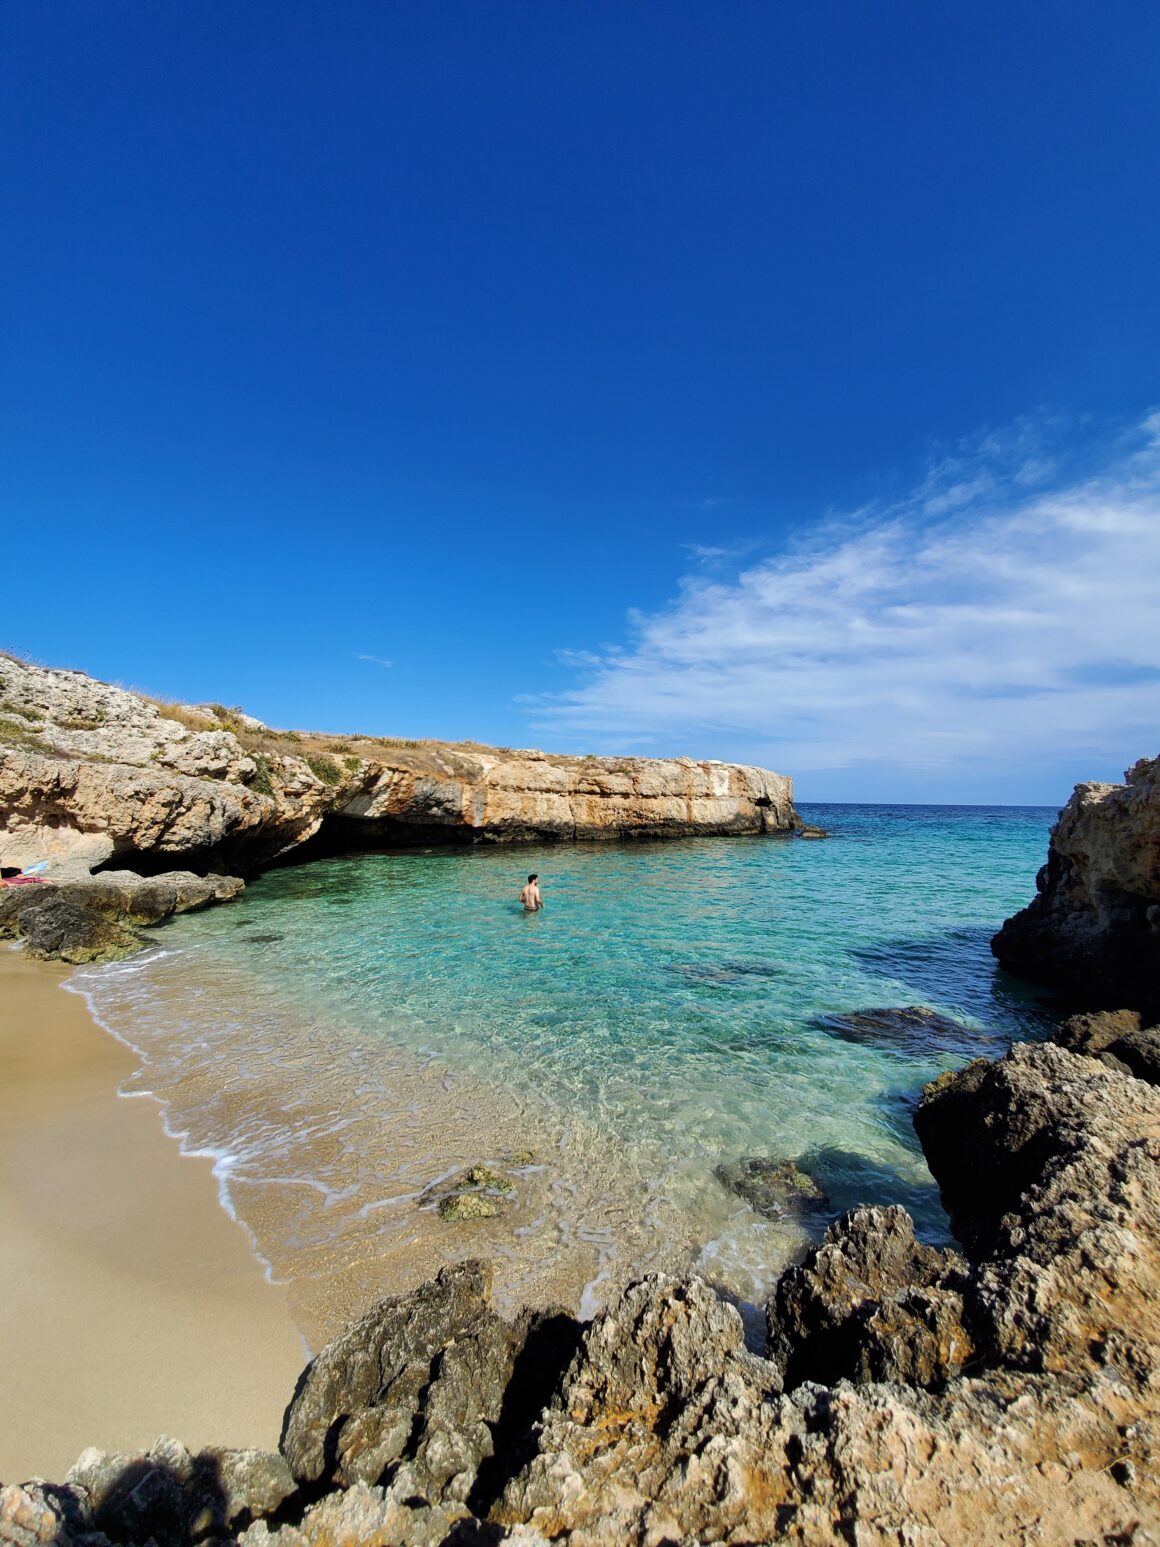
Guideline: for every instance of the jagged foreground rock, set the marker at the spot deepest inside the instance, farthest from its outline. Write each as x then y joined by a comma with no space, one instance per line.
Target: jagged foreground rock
909,1395
1118,1038
1093,930
91,773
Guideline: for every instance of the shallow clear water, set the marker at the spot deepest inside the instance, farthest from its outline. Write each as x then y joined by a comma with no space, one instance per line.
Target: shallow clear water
661,1015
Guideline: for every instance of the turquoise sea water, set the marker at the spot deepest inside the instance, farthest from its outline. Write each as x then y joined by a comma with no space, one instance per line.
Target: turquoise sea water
664,1013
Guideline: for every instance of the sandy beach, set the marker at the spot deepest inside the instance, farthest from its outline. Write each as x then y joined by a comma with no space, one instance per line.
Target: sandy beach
131,1304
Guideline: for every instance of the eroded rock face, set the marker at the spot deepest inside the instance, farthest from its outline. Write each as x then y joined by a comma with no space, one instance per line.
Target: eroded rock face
412,1395
55,930
163,1495
1094,928
870,1304
663,1429
1049,1165
1117,1038
83,760
1093,1031
95,918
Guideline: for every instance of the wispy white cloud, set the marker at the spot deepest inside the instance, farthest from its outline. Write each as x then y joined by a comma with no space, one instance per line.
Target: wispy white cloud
375,660
999,609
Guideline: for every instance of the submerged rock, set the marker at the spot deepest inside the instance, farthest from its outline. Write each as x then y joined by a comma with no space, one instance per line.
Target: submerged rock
913,1029
485,1176
467,1205
479,1192
773,1187
807,831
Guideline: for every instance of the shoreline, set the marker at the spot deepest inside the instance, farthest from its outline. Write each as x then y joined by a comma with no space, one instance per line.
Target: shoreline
336,1178
134,1305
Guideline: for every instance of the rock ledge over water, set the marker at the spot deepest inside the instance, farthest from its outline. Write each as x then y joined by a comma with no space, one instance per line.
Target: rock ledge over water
93,775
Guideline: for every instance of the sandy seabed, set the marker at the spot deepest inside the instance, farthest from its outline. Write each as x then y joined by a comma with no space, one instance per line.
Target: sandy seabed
131,1305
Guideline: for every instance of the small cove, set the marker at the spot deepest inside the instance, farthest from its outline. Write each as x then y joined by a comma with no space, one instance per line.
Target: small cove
353,1031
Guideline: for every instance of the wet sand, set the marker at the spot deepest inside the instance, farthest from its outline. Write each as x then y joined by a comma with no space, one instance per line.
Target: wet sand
131,1304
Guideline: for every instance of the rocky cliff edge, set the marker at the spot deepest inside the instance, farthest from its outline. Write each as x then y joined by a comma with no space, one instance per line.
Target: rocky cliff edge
1093,930
93,775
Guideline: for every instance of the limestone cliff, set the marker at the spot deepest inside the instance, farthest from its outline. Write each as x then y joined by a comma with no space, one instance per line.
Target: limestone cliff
1094,928
92,774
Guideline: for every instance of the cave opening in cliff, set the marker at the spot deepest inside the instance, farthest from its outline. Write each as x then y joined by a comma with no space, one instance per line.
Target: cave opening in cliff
337,836
343,835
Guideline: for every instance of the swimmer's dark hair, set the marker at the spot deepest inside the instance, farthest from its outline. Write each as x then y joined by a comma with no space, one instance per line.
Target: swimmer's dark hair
533,877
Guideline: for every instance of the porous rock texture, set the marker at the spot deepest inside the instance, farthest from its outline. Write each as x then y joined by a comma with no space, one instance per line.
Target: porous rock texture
870,1303
1093,930
164,1495
92,774
1117,1038
95,918
910,1395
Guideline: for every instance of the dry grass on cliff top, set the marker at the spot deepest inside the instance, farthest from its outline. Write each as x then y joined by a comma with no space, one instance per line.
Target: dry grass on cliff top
313,747
304,744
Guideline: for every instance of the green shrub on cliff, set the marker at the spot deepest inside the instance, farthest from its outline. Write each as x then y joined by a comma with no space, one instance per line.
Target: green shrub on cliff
324,768
262,783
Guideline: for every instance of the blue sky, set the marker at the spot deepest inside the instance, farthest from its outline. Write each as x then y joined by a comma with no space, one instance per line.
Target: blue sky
765,381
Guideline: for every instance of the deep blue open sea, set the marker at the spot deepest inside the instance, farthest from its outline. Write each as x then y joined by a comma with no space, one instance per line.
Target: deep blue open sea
354,1028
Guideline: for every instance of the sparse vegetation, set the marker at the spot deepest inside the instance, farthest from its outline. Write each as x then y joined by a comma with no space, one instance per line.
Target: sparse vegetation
323,768
353,763
181,714
16,733
8,707
262,782
229,719
81,722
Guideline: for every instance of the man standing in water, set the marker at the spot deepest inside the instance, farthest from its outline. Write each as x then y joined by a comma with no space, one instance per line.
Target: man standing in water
530,895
